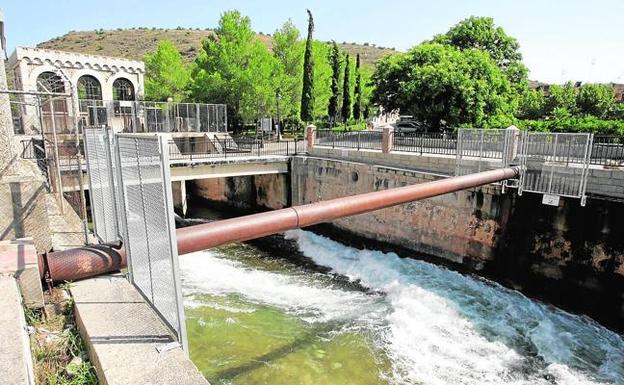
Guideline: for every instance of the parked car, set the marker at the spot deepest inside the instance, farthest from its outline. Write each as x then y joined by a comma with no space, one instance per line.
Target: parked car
408,127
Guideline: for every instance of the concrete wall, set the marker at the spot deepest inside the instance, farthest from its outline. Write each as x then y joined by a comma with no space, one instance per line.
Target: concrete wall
268,191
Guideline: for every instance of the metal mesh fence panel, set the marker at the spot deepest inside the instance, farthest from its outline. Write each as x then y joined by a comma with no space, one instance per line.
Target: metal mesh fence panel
483,149
555,163
101,184
143,171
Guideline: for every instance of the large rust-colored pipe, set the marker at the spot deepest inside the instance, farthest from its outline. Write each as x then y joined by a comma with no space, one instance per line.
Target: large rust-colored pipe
93,260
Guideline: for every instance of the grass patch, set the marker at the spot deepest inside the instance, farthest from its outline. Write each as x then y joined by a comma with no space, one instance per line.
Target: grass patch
58,352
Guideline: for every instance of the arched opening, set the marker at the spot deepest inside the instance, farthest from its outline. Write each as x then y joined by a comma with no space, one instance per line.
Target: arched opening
53,108
123,96
90,101
123,90
89,88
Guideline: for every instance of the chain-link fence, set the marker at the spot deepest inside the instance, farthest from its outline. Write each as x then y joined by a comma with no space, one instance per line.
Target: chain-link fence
149,228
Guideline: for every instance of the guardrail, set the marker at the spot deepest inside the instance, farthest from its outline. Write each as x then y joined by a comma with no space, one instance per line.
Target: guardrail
190,149
369,140
607,150
426,143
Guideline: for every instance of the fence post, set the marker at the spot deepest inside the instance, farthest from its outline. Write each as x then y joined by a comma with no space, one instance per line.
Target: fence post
310,136
387,139
512,135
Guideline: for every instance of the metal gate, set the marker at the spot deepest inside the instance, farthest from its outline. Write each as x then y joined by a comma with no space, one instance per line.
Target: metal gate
101,183
485,149
131,199
149,227
555,164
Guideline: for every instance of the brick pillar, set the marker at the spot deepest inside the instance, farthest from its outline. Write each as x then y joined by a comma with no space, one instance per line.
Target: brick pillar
387,139
6,122
310,136
512,138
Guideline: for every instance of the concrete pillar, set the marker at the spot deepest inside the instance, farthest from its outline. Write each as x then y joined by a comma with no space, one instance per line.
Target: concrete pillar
310,136
387,139
179,196
512,139
6,121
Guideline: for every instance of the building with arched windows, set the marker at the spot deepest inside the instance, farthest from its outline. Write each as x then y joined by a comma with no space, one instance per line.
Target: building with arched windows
96,84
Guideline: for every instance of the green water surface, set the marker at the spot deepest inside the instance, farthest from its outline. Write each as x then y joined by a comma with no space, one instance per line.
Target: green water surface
234,341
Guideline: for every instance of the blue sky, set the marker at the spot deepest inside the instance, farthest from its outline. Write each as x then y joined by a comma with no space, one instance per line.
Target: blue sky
560,40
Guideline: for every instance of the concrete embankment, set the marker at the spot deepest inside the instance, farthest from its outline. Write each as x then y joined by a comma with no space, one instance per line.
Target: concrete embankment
126,340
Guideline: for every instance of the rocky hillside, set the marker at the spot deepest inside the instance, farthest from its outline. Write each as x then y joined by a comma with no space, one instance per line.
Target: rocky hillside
135,43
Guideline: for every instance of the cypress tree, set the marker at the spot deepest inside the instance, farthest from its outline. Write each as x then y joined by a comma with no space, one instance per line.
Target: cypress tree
346,95
307,94
334,58
357,107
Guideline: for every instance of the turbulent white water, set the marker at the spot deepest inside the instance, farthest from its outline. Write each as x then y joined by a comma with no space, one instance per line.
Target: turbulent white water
437,326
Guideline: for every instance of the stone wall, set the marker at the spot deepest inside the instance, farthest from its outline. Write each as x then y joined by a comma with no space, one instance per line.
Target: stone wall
461,227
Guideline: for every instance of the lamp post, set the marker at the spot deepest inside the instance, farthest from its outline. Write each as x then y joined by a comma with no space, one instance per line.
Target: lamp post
277,126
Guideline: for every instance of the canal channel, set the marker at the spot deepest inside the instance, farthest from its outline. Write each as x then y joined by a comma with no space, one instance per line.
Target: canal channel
301,308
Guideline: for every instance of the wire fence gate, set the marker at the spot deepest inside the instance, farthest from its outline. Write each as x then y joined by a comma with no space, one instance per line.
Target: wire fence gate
131,200
555,164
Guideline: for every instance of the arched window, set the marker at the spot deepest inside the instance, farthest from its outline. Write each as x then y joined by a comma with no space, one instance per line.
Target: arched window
51,82
90,100
123,95
123,90
89,88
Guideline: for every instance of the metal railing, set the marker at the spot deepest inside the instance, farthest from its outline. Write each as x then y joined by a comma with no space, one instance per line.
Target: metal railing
607,150
426,143
555,163
368,140
199,148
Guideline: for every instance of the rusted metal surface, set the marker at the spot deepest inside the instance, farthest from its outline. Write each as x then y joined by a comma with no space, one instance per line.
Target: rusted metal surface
93,260
83,262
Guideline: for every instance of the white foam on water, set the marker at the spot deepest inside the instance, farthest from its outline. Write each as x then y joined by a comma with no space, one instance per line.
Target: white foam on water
207,272
446,328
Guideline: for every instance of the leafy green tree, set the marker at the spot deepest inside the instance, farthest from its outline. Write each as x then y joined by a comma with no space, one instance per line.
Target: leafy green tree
288,50
483,34
346,93
307,93
235,68
322,78
532,105
357,106
443,85
334,59
166,74
561,97
595,99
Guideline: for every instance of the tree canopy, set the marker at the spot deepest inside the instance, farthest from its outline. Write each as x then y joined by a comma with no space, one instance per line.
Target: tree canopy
482,33
443,85
166,74
235,68
288,50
